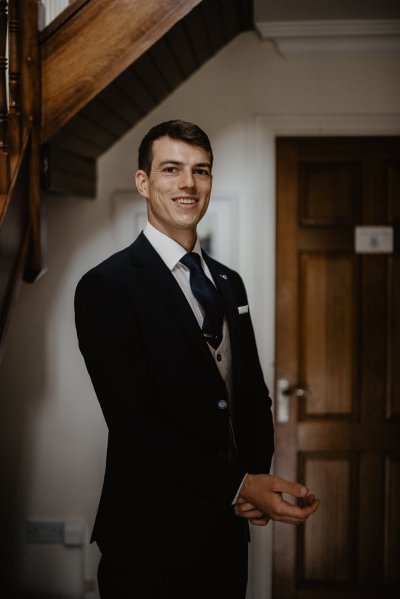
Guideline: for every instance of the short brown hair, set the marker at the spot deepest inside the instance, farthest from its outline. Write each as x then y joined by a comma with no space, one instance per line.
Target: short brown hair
176,129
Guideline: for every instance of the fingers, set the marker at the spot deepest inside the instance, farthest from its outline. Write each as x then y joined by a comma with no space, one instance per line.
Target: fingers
296,514
262,521
262,496
244,506
245,509
283,512
280,485
308,500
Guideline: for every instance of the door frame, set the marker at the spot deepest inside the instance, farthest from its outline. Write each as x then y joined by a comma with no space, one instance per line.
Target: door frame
267,127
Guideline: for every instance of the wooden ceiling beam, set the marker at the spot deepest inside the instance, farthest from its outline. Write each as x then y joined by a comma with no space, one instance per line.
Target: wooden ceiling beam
107,36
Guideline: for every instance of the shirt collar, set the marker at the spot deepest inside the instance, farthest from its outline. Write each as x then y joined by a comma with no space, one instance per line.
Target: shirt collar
170,251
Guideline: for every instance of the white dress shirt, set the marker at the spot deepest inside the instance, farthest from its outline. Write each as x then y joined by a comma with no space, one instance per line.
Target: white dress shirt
171,252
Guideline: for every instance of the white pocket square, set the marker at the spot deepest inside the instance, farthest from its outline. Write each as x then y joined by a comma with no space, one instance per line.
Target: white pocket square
243,309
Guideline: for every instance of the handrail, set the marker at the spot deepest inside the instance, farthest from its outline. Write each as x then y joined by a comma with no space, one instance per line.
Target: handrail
63,17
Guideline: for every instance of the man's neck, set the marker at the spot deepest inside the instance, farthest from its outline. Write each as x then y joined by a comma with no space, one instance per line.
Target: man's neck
186,238
186,241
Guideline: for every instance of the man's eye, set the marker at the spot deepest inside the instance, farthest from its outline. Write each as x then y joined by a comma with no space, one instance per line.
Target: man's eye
170,169
201,171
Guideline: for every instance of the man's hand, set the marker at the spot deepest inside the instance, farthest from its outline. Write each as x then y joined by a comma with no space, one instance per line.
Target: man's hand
261,499
245,509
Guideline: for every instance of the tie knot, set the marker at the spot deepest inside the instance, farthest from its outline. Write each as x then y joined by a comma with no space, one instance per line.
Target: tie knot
192,260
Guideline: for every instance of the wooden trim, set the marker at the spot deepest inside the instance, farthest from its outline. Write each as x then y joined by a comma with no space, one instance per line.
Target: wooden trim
354,38
4,150
31,94
345,124
14,226
8,302
96,45
62,18
6,199
64,171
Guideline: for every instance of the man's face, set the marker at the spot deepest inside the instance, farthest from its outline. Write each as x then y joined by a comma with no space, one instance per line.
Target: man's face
178,187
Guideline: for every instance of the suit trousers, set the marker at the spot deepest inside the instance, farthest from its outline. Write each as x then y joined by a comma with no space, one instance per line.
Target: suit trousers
219,572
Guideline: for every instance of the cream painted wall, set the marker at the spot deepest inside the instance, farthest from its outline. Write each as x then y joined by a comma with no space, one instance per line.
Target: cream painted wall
53,437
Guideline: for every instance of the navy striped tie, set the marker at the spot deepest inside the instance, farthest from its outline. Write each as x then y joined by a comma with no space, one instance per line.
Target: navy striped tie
208,297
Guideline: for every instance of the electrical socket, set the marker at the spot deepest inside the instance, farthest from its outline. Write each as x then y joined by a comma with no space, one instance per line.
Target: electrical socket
89,586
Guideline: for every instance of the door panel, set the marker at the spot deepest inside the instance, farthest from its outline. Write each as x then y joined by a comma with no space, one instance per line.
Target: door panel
338,348
326,360
333,561
338,184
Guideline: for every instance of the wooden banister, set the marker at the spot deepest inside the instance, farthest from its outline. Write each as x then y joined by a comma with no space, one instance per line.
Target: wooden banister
108,36
4,153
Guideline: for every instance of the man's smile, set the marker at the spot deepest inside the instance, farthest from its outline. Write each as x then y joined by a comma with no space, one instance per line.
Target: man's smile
186,200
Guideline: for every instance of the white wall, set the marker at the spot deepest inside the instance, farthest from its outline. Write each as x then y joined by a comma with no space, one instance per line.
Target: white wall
53,437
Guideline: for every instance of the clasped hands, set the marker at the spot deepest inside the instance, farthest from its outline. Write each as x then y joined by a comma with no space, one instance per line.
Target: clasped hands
261,500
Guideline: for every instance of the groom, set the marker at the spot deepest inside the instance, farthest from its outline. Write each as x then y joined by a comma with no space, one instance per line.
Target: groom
167,338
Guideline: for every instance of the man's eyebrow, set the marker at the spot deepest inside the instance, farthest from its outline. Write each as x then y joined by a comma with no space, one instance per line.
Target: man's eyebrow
163,162
177,162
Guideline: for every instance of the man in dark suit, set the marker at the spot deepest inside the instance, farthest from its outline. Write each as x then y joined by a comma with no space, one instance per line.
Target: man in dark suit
182,391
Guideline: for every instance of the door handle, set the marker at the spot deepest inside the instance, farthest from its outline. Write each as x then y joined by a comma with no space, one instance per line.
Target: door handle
283,392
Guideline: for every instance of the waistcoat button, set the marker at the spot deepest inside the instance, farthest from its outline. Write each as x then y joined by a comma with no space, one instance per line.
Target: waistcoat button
222,404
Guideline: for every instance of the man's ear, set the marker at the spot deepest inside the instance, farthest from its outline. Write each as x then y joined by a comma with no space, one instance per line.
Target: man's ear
142,183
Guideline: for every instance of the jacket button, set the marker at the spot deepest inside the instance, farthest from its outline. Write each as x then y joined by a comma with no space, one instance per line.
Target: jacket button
222,404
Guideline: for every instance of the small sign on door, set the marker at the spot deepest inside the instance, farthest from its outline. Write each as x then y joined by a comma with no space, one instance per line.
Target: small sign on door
374,240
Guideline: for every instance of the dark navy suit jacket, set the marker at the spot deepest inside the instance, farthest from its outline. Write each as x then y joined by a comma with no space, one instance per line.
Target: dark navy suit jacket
167,476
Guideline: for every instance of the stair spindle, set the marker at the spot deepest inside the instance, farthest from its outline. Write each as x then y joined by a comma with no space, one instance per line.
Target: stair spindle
4,155
14,77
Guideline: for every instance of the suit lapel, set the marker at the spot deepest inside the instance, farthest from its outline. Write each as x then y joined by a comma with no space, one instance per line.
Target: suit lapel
156,275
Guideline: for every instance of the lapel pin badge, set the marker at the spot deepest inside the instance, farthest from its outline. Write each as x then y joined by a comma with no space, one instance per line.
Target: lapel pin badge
223,276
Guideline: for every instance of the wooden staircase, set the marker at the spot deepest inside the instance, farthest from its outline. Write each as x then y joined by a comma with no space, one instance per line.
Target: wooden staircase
75,89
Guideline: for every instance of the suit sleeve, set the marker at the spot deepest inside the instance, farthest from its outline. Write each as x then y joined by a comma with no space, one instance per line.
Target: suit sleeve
255,406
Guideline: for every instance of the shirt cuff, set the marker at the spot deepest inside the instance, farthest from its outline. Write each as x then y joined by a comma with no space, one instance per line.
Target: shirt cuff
238,491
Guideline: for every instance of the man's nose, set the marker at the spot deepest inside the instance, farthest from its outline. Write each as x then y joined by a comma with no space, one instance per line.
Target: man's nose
187,180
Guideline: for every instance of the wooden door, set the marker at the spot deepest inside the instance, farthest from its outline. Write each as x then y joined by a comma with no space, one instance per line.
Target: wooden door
338,365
